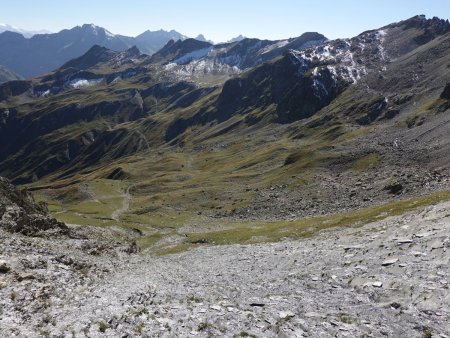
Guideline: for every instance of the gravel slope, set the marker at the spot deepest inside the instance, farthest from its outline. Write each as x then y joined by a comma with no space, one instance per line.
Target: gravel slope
389,278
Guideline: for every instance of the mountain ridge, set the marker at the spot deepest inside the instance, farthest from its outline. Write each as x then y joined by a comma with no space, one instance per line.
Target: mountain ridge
24,32
45,52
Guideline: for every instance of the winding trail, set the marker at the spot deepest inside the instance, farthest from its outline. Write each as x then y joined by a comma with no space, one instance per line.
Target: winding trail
143,138
125,204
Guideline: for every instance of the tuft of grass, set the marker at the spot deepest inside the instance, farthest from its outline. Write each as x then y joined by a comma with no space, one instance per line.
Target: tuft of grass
138,328
245,334
195,299
102,326
13,296
426,333
347,319
204,326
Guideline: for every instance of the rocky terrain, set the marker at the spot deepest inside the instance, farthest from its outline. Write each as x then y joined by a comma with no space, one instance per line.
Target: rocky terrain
389,278
21,214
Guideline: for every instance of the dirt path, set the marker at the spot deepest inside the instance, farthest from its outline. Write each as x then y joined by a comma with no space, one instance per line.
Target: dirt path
125,204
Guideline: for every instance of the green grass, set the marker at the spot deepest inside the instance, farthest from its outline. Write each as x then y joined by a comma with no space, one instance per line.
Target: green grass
93,204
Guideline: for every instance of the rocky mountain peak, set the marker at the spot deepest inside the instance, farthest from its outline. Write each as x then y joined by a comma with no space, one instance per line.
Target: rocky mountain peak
237,38
429,28
91,28
133,51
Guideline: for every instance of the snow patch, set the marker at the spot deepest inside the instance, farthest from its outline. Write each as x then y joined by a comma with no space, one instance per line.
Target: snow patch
83,83
279,44
313,43
195,55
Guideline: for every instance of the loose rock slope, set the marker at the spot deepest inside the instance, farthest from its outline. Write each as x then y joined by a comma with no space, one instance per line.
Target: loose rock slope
389,278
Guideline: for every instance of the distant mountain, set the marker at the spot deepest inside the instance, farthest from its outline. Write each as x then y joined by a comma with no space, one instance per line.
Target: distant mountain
46,52
25,33
237,38
97,55
150,42
201,37
7,75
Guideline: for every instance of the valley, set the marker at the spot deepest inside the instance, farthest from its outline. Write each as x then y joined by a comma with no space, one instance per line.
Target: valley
296,187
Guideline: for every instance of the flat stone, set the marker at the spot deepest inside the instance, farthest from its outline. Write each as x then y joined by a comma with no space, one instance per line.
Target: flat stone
353,247
257,304
404,240
377,284
423,234
437,245
389,261
215,307
286,314
313,315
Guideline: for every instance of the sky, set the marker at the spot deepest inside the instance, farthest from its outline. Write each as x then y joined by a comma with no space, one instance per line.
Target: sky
219,20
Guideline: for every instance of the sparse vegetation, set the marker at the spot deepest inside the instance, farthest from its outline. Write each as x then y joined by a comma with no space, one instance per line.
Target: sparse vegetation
138,328
246,334
195,299
427,333
102,326
13,296
203,326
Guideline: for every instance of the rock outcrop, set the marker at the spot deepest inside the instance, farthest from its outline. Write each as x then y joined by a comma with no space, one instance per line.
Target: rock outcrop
20,213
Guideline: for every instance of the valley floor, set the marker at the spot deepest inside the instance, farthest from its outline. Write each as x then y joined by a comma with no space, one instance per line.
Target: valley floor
389,278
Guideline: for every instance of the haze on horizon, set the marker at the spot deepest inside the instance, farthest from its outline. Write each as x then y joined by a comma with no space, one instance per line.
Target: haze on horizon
222,21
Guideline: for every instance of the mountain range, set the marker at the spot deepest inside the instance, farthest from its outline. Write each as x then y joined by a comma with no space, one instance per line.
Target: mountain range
24,32
192,90
42,53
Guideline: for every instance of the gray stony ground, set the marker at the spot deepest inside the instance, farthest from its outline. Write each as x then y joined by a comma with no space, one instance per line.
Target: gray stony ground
386,279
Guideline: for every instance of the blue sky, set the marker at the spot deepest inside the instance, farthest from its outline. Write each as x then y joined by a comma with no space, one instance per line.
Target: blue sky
219,20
